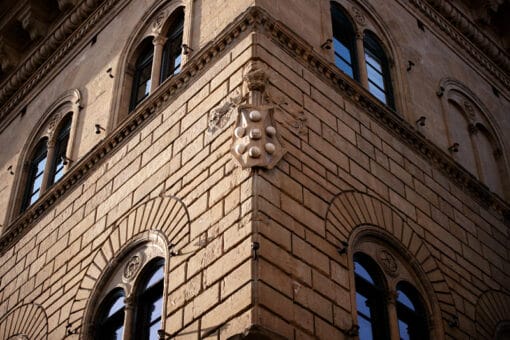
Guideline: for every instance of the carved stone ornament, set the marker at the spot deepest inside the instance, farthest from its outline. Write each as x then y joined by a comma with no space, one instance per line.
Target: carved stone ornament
132,267
157,24
388,262
255,141
358,16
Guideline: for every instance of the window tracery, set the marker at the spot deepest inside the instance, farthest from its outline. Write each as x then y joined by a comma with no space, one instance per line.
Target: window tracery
131,298
388,298
49,154
156,55
469,126
359,53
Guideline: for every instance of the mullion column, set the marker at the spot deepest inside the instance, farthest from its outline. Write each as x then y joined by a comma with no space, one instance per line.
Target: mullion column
362,66
392,315
159,43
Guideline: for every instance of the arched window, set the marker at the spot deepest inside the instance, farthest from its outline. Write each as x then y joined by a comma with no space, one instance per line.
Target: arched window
344,43
370,301
388,305
359,53
35,177
131,301
150,302
172,51
142,75
153,55
110,322
412,319
59,157
379,83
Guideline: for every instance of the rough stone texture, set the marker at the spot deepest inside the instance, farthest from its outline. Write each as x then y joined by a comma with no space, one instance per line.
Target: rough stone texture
257,253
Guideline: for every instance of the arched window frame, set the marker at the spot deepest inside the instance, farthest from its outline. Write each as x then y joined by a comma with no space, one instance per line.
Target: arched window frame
48,133
370,247
366,23
134,266
479,122
156,27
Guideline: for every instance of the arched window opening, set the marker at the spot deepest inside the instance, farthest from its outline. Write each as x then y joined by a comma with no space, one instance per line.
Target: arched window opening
172,51
34,182
344,42
150,301
490,173
412,320
142,74
59,157
379,82
370,299
110,322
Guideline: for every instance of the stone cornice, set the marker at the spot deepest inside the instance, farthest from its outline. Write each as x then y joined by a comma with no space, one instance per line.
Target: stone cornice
49,53
163,96
257,20
392,121
461,30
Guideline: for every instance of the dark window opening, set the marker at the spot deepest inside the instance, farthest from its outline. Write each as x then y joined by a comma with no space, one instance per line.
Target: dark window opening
57,168
370,299
172,51
110,325
142,75
344,42
379,82
35,175
150,302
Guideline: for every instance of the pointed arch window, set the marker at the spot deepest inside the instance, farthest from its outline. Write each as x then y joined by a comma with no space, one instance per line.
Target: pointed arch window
34,182
359,53
172,51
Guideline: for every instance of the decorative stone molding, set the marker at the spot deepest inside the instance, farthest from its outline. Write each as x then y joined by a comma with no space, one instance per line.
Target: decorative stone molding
255,143
25,322
220,115
492,308
166,222
388,262
452,22
353,215
60,42
133,266
33,21
257,20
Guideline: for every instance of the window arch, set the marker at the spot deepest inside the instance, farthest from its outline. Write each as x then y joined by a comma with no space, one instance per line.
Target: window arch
48,154
153,55
360,54
131,300
474,140
412,318
150,301
378,73
35,177
344,41
142,74
110,324
388,302
172,50
372,313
